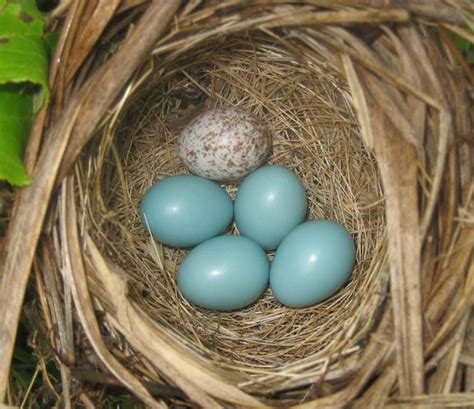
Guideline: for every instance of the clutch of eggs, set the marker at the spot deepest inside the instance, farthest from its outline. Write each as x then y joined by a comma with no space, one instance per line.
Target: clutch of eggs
224,144
313,259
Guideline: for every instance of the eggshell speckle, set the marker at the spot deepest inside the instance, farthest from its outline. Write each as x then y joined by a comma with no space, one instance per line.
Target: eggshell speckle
224,144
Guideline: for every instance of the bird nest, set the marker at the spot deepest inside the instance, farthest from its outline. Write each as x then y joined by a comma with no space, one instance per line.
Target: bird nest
368,105
315,133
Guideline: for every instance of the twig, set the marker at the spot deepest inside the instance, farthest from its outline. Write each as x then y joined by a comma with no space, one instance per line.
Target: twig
159,391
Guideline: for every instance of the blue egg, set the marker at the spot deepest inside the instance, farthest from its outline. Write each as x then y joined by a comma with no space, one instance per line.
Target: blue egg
185,210
224,273
312,263
270,203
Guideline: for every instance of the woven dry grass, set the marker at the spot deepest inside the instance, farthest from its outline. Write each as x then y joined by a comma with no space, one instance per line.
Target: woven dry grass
369,105
315,133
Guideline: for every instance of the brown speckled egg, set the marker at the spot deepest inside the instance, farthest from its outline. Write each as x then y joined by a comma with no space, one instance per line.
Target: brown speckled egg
224,144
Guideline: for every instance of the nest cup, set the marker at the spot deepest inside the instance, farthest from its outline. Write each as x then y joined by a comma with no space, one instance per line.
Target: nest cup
347,113
315,133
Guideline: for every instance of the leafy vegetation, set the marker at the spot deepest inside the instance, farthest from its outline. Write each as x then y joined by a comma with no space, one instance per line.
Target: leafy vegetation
466,48
23,82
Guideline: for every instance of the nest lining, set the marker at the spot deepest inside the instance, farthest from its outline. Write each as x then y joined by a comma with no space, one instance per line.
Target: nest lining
308,108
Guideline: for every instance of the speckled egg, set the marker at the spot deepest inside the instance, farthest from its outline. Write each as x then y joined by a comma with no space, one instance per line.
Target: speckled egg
224,144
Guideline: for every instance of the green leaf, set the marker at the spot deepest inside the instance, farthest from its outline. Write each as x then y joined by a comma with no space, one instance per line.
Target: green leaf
23,55
16,114
22,377
23,82
462,44
24,357
30,7
51,41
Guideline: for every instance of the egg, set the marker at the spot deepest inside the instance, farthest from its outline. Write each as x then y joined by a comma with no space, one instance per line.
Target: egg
185,210
270,202
312,263
224,273
224,144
